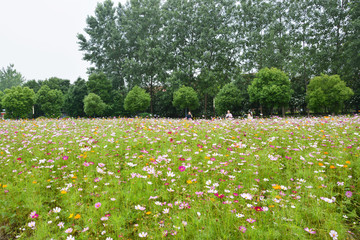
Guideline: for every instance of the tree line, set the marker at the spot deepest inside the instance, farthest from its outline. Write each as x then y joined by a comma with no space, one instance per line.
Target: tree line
161,46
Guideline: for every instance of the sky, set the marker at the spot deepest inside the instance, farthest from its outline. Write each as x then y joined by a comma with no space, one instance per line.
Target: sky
39,37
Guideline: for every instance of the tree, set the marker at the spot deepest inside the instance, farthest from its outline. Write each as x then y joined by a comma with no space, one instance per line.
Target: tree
270,88
33,84
94,106
1,97
55,83
99,84
18,102
229,98
9,78
137,100
186,97
327,93
50,101
74,102
106,47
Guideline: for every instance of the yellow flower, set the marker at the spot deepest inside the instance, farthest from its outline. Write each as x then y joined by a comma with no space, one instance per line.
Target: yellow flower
276,187
77,216
71,215
189,182
34,182
63,192
147,213
4,186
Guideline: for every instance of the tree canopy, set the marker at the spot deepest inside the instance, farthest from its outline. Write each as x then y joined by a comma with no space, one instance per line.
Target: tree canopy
327,93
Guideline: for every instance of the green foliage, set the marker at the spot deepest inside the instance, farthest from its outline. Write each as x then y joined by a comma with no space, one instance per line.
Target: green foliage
229,98
18,102
33,84
117,105
94,106
50,101
1,96
74,105
9,78
270,88
99,84
186,97
137,100
327,93
55,83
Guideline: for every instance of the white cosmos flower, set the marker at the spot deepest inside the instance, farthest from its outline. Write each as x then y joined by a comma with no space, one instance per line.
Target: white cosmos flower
143,234
56,210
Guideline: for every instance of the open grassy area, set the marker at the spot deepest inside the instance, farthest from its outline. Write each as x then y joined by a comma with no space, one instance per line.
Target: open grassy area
176,179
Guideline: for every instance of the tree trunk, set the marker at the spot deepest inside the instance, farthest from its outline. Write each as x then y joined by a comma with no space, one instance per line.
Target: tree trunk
283,111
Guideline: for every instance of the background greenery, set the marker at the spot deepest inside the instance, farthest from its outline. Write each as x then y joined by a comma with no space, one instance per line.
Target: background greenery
163,45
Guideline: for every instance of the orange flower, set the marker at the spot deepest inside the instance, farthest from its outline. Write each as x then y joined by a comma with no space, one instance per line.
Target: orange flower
348,162
320,164
345,166
147,213
77,216
332,166
276,187
326,153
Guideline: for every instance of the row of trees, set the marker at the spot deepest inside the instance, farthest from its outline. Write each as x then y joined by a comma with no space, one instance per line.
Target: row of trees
270,90
207,44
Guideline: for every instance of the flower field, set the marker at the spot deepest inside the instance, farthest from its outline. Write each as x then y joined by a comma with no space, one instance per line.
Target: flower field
294,178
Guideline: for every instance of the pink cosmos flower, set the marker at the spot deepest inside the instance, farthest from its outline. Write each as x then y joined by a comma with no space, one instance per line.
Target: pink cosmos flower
97,205
311,231
65,158
34,215
348,194
242,229
250,220
181,168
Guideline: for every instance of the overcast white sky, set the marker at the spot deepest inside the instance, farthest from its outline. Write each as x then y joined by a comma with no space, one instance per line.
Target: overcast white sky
39,37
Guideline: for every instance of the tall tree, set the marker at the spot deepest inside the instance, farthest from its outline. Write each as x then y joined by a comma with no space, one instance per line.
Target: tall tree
144,62
9,78
104,45
74,105
99,84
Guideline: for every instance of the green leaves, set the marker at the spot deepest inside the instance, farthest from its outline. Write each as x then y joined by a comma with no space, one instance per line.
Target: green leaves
94,105
229,98
9,78
186,97
18,102
50,101
270,88
137,100
327,93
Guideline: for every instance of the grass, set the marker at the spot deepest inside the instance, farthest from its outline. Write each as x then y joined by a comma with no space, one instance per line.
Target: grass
292,178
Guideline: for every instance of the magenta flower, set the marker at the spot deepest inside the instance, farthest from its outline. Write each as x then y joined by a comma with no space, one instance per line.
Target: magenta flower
65,158
34,214
250,220
97,205
348,194
181,168
242,229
